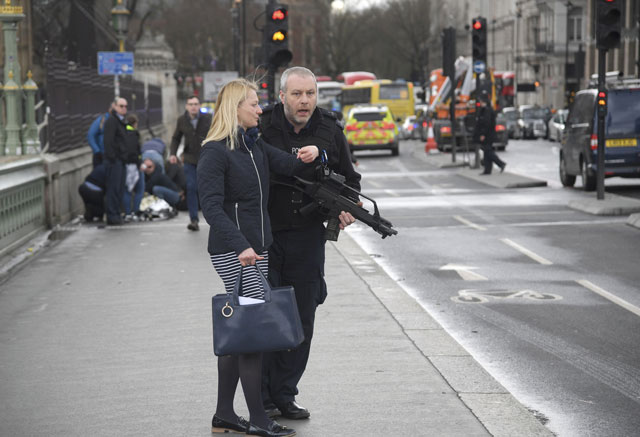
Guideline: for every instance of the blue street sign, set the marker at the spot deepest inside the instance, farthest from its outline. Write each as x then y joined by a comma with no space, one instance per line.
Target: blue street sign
115,63
479,67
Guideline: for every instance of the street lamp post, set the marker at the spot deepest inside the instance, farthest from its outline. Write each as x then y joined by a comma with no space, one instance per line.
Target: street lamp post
120,23
9,17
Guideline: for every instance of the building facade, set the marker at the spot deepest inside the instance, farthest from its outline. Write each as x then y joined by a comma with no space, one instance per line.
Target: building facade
551,42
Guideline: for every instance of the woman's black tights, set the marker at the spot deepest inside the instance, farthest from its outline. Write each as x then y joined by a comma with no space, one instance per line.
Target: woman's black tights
247,368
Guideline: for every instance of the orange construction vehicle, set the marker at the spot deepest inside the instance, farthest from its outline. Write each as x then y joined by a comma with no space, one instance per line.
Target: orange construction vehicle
464,94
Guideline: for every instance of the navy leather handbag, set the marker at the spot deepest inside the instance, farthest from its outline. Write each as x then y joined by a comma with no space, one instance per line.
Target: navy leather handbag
263,327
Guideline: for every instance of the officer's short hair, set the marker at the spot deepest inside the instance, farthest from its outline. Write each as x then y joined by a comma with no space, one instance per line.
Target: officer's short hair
299,71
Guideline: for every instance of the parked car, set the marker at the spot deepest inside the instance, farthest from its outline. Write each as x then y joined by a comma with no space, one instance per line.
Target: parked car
371,127
578,154
511,116
555,126
502,134
533,121
409,129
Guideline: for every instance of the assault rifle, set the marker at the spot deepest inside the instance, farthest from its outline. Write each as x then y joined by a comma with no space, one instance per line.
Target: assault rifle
329,200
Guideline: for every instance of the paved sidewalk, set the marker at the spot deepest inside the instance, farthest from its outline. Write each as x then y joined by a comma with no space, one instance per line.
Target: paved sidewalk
108,333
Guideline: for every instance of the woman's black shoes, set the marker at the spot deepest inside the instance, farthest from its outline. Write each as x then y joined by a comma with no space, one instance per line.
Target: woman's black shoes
220,425
273,430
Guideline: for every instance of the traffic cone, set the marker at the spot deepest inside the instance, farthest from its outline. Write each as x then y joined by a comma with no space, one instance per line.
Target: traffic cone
431,141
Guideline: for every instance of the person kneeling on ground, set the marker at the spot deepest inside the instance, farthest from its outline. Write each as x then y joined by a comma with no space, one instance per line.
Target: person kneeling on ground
92,191
159,184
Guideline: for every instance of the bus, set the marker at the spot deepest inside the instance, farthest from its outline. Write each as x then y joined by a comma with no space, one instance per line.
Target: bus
351,77
397,96
329,95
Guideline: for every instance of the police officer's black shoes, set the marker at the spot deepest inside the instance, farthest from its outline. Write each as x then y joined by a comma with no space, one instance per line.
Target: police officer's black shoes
291,410
223,426
273,430
271,410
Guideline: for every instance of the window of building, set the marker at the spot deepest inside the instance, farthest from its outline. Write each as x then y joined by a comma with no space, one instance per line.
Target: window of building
574,25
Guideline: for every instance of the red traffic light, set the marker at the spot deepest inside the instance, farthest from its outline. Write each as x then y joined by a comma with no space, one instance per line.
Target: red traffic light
264,85
279,14
602,94
477,24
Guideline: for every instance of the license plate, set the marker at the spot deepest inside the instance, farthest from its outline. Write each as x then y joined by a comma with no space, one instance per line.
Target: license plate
622,142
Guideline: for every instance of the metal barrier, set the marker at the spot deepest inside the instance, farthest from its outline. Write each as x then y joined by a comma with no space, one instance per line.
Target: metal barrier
22,201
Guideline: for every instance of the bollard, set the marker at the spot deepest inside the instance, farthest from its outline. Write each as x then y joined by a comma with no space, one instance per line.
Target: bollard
12,97
30,140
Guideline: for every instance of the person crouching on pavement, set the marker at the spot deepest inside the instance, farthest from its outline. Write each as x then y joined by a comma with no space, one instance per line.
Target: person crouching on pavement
233,186
159,184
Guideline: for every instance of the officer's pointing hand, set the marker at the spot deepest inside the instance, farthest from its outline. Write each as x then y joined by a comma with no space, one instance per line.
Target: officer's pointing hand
308,154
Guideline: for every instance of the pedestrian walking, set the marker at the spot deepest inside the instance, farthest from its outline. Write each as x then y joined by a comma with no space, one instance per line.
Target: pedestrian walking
193,126
297,254
484,134
233,185
115,137
95,137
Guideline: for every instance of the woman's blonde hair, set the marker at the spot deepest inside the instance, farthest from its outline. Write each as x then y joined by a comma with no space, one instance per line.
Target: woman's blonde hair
225,119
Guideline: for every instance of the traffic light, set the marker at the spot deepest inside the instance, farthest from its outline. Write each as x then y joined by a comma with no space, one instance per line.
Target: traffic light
276,38
602,102
608,23
479,39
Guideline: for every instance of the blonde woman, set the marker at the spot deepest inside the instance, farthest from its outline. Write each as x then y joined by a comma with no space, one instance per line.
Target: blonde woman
233,186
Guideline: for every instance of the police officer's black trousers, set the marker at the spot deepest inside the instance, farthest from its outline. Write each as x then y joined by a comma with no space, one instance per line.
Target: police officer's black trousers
490,157
115,183
296,258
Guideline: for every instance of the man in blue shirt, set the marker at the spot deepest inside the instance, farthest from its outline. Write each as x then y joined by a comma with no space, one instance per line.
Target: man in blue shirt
95,137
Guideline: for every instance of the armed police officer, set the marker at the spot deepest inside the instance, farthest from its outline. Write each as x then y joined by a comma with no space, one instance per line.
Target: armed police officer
484,133
299,240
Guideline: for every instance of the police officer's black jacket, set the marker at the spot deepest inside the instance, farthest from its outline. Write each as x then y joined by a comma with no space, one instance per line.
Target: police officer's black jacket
115,133
485,125
233,187
324,131
192,137
132,146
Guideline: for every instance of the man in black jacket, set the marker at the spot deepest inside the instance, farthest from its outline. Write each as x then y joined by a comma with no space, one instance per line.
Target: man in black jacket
194,126
485,133
296,256
115,133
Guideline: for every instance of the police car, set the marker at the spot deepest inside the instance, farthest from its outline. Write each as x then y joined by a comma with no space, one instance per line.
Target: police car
371,127
578,155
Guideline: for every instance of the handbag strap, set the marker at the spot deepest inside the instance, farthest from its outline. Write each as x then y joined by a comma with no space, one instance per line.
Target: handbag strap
238,285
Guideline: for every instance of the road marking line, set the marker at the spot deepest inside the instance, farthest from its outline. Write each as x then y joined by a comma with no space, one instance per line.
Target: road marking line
465,272
526,251
612,297
469,223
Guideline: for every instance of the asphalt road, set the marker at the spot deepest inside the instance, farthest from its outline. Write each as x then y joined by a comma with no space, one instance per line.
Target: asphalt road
543,296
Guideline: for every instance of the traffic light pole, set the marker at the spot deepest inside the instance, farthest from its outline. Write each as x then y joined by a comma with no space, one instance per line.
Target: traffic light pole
602,66
271,81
